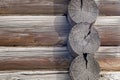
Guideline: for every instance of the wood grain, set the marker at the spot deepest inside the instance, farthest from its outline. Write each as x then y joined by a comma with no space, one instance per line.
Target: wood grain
49,75
83,38
51,30
84,68
82,11
52,7
52,58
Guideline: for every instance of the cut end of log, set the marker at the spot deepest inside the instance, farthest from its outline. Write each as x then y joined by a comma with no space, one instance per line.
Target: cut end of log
78,69
83,11
83,39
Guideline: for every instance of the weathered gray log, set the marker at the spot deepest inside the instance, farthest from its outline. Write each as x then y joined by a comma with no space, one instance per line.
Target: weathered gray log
83,11
51,30
83,38
49,75
53,58
84,68
52,7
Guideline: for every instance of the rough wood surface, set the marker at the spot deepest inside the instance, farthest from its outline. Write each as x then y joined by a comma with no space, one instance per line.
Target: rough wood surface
52,58
83,38
51,30
52,7
84,68
49,75
83,11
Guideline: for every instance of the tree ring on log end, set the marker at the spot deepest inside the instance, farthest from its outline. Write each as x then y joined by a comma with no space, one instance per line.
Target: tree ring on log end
79,71
83,39
83,11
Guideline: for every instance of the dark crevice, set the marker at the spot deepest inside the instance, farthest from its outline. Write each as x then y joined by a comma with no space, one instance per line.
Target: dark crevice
81,4
85,57
90,26
89,29
88,32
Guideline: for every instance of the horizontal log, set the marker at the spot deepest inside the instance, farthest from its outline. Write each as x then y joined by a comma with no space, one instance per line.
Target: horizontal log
52,58
53,7
51,30
49,75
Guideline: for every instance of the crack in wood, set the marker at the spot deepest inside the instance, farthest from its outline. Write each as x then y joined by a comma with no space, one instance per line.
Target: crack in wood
85,57
81,4
87,38
87,34
89,31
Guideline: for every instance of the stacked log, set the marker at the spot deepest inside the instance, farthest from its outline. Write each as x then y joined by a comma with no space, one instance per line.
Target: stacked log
34,35
52,7
83,39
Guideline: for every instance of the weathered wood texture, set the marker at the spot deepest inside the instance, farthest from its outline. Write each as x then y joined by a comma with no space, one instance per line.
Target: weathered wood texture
52,58
44,7
84,68
83,11
80,38
51,30
49,75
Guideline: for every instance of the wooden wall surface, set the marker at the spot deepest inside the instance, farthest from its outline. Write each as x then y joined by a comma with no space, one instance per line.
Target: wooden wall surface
52,58
52,7
33,35
49,75
51,30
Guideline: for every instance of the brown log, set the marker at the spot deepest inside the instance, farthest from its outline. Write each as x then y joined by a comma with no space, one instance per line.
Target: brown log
52,58
109,7
52,7
51,30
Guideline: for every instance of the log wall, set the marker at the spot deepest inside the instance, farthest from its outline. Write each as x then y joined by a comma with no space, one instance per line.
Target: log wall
52,58
51,30
49,75
52,7
33,35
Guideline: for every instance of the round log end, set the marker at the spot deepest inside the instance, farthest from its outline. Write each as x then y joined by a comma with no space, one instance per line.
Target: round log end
84,68
83,11
83,39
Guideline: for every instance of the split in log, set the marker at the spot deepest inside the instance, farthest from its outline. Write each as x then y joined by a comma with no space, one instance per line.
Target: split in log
84,68
52,58
83,38
51,30
52,7
49,75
